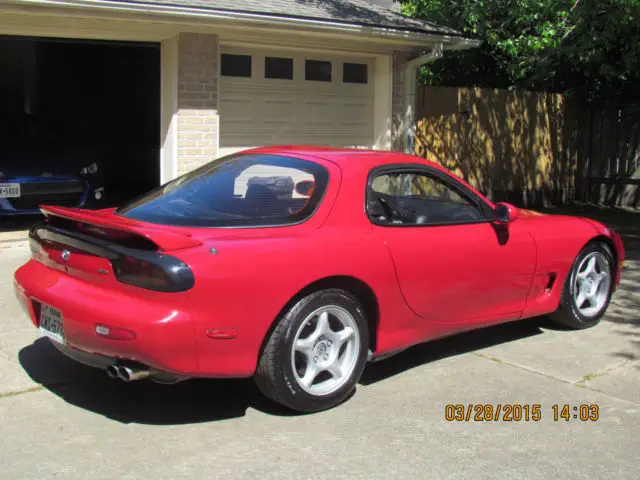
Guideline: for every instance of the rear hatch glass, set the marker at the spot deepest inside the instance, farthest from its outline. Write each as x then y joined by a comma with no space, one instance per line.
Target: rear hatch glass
241,190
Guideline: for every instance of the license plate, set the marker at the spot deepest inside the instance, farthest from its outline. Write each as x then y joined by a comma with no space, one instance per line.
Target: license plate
51,323
9,190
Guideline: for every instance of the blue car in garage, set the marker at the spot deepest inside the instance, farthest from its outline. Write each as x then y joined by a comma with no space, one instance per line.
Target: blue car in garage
40,166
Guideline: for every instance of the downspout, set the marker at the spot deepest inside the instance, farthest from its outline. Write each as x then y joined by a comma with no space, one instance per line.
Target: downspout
411,79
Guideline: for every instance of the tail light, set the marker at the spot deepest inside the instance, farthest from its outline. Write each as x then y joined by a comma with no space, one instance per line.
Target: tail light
161,273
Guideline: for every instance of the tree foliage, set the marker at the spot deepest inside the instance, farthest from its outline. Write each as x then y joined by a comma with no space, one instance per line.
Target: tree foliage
587,47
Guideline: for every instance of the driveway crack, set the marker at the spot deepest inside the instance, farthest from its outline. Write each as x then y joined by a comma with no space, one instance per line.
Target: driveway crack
580,384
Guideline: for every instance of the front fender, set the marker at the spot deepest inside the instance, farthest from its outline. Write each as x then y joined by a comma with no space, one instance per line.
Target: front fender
559,240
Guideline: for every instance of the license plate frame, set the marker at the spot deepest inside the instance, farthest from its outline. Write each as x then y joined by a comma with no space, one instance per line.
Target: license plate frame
10,190
51,323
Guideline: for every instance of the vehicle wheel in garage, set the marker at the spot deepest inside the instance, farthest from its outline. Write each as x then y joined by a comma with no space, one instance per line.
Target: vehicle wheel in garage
588,288
317,352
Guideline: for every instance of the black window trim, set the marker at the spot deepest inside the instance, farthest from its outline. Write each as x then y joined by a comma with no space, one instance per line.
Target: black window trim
484,208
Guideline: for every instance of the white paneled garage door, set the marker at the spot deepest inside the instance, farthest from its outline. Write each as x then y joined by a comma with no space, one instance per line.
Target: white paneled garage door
277,97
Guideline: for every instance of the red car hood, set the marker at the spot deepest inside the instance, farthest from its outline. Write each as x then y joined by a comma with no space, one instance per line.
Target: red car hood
530,213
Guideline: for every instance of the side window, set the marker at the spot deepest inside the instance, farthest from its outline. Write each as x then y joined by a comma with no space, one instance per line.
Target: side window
417,198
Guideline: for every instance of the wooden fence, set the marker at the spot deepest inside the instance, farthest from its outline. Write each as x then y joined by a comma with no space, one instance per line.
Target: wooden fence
529,148
611,163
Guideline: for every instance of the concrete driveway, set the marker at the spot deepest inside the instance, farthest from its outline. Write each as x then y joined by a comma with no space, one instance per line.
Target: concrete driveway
60,419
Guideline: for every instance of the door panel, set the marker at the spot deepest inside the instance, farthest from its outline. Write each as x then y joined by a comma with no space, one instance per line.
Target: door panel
454,263
463,272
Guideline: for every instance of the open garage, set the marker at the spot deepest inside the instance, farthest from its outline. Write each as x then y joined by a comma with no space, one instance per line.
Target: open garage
81,121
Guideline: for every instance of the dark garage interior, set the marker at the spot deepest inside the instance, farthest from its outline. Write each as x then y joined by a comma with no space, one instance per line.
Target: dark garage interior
67,105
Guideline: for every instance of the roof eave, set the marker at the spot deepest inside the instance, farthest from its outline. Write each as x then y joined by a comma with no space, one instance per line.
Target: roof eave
410,36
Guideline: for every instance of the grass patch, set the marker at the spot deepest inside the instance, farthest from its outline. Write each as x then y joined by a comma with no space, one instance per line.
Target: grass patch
590,376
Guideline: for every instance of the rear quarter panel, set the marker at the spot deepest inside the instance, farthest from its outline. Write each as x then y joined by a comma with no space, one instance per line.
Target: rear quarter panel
249,281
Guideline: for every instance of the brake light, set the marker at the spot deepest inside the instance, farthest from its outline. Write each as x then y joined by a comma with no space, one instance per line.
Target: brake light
157,272
131,270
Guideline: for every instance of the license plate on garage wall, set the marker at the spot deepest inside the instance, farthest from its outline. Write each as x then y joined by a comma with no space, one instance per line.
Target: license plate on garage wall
9,190
51,323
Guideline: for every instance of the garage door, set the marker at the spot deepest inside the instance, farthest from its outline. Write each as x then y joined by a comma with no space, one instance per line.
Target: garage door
275,97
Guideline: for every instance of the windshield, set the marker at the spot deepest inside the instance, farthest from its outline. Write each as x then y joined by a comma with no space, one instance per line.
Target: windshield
240,190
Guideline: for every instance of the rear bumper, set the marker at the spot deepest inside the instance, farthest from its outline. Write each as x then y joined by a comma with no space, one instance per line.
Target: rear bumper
164,330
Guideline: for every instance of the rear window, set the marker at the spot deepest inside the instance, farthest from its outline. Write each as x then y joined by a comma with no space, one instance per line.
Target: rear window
241,190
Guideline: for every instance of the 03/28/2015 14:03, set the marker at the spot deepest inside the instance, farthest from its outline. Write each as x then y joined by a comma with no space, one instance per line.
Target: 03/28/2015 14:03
519,412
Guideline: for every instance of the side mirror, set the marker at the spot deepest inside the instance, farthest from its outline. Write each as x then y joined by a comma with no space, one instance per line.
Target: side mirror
506,213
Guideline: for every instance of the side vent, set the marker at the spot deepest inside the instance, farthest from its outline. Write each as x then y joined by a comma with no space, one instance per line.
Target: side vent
551,282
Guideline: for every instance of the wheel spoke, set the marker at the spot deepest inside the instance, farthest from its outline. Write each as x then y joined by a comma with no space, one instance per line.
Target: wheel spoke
305,346
593,300
591,265
322,327
602,277
335,369
342,336
310,374
580,300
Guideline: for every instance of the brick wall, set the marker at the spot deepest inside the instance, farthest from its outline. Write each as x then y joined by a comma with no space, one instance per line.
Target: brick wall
398,107
198,118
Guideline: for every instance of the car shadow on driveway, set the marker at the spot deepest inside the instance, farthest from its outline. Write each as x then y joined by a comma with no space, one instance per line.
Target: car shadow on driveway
207,400
455,345
145,402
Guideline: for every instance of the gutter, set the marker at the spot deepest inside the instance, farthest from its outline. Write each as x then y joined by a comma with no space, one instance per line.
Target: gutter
408,34
411,80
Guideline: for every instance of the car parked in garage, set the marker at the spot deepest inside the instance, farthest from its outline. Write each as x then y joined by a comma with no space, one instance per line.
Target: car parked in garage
38,165
215,275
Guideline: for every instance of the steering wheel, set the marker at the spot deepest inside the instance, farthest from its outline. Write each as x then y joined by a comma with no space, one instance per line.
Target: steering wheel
388,211
391,213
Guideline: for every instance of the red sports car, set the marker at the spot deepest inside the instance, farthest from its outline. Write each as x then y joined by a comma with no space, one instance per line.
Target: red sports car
297,266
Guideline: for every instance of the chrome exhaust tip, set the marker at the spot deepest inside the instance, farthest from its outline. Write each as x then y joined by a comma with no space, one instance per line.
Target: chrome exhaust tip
131,374
112,371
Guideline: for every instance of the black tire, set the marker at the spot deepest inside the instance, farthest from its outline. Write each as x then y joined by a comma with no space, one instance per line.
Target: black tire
567,313
275,377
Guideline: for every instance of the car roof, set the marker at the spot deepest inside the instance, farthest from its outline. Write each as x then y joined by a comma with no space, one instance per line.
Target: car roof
348,158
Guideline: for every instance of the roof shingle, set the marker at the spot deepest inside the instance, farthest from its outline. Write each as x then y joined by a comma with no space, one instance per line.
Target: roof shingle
340,11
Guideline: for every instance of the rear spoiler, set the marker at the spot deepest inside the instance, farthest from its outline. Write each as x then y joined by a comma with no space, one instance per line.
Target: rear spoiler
166,239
